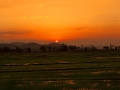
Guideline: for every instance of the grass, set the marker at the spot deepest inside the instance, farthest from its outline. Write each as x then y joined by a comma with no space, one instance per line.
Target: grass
91,70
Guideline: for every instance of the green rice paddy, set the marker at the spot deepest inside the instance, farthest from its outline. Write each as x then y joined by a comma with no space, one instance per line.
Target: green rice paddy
85,70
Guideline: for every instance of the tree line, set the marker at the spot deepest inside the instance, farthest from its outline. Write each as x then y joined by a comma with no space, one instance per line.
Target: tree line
61,48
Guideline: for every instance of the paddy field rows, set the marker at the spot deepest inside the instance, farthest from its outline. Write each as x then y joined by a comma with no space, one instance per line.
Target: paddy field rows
90,70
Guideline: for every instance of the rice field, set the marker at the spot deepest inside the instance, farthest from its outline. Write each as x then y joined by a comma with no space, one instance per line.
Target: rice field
90,70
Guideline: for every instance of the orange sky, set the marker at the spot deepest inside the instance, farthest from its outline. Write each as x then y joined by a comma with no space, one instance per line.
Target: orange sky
70,21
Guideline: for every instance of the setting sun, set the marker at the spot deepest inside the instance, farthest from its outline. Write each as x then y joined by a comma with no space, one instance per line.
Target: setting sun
56,41
70,21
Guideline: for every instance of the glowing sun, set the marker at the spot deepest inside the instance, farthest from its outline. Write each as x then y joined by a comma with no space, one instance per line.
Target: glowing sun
56,41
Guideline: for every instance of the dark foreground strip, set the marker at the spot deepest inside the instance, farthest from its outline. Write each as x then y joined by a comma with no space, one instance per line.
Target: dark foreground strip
36,64
62,80
57,69
55,63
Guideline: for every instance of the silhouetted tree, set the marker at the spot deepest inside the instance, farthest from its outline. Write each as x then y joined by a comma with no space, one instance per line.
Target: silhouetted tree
118,47
82,47
111,47
18,49
0,49
43,48
93,48
64,47
106,48
6,49
73,48
49,48
29,49
86,48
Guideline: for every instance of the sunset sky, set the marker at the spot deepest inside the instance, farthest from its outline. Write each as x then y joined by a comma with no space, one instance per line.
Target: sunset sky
75,22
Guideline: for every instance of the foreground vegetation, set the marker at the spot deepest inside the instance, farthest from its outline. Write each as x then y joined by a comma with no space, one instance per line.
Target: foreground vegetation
85,70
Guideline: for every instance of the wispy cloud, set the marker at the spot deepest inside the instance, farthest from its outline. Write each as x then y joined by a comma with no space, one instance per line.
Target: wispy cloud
74,28
14,32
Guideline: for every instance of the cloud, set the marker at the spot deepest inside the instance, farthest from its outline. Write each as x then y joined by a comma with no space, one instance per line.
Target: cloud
74,29
14,32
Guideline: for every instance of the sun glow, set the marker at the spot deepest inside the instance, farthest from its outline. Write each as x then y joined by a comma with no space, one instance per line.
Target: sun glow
60,21
56,41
